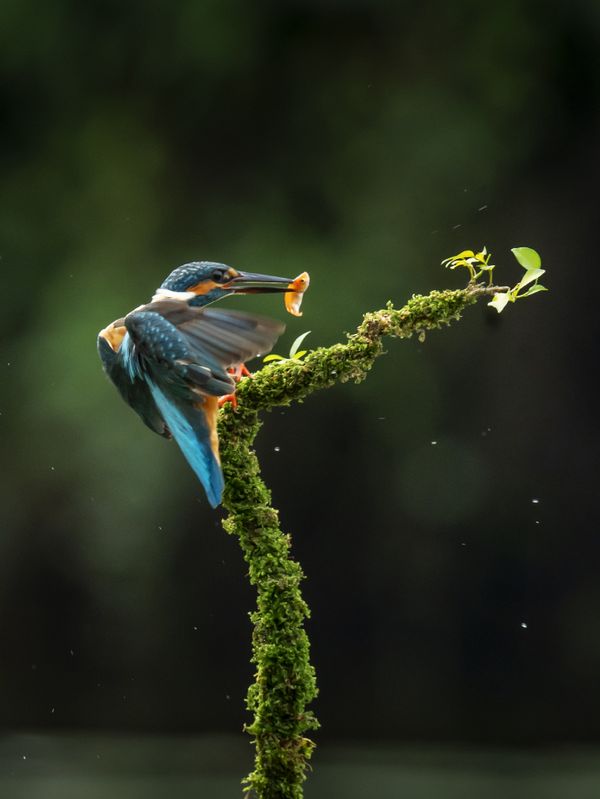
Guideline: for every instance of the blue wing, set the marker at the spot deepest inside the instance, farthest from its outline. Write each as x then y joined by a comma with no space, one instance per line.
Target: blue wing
134,390
182,354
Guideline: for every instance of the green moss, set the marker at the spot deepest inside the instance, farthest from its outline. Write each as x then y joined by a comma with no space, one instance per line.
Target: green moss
285,680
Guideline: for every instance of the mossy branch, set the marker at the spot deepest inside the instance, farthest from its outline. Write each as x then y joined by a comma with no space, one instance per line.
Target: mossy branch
285,679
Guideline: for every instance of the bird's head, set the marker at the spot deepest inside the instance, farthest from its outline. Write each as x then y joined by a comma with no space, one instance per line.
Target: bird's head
203,282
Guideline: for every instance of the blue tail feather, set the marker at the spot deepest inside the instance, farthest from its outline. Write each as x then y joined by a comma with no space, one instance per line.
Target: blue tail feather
189,428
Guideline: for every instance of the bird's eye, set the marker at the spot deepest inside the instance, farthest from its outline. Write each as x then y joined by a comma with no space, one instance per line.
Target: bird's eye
220,276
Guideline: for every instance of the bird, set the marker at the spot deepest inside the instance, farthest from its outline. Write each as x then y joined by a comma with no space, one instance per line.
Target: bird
169,358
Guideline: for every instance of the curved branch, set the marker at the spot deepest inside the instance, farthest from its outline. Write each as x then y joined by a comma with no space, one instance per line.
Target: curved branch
285,679
282,382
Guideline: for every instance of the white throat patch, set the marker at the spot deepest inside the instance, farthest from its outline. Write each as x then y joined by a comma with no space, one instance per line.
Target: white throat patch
167,294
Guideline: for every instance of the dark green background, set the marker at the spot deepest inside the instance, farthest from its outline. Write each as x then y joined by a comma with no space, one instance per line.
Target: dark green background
364,142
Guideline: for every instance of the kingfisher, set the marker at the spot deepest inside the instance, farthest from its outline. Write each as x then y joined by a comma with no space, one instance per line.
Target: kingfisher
170,359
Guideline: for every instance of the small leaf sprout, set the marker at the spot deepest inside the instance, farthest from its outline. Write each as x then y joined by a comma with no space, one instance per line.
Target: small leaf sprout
296,354
478,263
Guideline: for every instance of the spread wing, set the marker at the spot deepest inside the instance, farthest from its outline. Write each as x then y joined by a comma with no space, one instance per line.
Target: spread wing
182,353
192,348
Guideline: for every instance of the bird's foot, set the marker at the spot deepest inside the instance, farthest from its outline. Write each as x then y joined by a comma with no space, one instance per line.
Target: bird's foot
227,398
239,371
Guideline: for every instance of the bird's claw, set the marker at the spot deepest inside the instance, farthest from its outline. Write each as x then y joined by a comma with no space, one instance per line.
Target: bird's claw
227,398
239,371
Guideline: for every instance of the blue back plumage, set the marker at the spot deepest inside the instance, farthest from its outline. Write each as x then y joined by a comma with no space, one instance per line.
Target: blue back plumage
189,428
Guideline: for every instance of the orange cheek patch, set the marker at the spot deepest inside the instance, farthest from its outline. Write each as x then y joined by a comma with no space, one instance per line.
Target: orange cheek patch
204,287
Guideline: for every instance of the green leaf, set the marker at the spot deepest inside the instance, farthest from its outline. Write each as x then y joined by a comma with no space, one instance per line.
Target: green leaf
528,258
529,276
297,355
463,254
533,290
296,345
274,357
499,301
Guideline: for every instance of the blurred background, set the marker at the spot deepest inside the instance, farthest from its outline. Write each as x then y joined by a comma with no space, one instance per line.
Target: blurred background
444,511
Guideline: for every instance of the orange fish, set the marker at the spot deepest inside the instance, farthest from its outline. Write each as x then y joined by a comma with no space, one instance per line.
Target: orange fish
293,299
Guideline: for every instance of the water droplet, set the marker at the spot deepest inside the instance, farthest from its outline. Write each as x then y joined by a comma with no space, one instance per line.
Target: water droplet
524,625
52,469
482,208
53,709
433,443
160,527
227,696
537,521
195,628
24,757
455,227
535,501
277,449
463,543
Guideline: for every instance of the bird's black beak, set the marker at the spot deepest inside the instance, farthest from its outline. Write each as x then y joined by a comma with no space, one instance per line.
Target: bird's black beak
251,283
